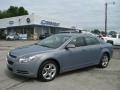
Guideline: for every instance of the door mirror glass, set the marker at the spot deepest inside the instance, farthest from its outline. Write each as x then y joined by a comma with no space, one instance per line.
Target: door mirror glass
70,46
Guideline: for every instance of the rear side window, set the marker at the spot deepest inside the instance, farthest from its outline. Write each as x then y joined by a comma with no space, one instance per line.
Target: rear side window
91,41
79,41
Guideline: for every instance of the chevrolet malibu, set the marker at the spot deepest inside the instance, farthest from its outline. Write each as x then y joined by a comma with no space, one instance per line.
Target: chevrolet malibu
57,54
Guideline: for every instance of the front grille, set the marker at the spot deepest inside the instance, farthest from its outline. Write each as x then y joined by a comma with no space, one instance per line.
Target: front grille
13,56
22,72
10,62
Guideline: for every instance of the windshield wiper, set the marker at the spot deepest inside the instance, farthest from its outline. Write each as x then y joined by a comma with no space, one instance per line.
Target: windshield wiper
44,45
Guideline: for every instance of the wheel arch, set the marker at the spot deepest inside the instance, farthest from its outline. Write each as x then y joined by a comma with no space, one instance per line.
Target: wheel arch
108,54
52,59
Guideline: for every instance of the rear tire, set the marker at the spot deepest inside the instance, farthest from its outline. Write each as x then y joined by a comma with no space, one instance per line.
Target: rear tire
47,71
104,61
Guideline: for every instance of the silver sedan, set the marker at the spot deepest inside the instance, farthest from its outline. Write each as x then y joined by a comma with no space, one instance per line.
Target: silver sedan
57,54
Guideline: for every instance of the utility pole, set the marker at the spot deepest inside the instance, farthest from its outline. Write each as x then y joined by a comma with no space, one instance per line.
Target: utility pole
106,5
106,14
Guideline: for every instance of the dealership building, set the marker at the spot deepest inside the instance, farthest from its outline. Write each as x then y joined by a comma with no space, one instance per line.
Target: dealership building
32,25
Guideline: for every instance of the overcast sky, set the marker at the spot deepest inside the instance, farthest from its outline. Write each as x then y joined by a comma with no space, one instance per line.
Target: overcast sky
79,13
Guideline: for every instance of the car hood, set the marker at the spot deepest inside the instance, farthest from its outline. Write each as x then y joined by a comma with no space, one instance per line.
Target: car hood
28,50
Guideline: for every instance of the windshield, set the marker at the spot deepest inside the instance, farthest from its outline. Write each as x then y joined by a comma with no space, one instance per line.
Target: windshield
54,41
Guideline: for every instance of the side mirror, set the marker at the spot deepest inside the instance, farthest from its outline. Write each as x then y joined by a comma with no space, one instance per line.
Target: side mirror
70,46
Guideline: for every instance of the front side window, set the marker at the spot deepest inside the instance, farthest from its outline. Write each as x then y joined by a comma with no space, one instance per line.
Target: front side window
91,41
79,41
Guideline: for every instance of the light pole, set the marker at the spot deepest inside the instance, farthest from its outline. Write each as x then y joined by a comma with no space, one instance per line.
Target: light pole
106,10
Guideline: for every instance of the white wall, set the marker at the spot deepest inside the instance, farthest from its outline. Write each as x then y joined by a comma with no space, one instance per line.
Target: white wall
21,20
17,21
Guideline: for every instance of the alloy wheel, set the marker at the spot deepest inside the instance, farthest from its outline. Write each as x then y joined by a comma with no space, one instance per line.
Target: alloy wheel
49,71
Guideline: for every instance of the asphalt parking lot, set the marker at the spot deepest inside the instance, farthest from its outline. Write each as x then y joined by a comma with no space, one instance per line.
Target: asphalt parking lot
90,78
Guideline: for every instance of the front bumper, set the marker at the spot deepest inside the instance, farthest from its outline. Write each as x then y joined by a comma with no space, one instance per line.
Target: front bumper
29,69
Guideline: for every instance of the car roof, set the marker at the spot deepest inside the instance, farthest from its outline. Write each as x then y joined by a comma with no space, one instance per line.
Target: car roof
77,34
68,31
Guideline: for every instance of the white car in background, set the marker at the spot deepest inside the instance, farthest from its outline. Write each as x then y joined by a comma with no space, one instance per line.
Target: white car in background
23,36
12,37
113,39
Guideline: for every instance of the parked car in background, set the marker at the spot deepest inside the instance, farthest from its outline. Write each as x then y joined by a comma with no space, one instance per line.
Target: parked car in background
12,37
59,53
113,39
22,36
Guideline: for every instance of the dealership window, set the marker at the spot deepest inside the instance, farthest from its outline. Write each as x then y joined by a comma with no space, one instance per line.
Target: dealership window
52,29
45,30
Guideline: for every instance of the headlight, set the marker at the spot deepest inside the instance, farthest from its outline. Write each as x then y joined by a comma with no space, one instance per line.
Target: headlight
25,60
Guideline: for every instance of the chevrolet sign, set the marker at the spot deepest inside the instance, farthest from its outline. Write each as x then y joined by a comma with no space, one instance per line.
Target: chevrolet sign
49,23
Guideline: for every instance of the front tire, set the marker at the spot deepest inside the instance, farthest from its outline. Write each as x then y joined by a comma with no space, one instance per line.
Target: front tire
104,61
47,71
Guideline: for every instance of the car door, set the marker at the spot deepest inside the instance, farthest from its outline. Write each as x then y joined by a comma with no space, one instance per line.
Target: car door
74,57
93,50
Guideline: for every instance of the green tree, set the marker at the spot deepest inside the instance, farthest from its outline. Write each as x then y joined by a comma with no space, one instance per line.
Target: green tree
22,11
95,31
112,33
0,14
13,11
